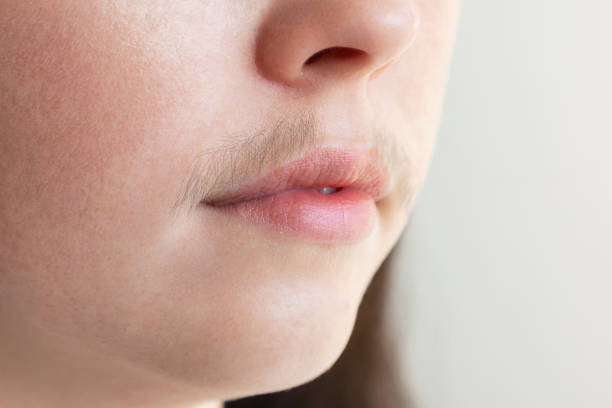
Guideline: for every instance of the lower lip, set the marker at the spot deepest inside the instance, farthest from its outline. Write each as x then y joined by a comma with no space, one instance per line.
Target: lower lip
345,216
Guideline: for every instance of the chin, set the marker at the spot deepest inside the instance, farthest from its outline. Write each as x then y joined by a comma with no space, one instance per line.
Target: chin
282,342
303,355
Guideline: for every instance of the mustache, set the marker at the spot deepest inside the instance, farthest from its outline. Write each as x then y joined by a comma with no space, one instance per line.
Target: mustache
239,160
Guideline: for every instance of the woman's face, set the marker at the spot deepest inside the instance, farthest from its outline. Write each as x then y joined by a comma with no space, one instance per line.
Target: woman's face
133,136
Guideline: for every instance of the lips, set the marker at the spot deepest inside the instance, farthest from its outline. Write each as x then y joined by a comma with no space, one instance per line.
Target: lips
327,196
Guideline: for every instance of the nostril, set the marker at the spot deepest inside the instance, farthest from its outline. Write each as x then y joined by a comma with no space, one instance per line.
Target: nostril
335,52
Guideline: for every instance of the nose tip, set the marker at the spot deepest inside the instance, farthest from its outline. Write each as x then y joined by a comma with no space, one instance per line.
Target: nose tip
302,41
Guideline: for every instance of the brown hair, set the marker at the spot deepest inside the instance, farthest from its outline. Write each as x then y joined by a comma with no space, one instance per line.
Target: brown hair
366,375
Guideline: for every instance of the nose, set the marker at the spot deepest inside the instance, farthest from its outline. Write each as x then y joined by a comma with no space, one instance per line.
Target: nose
309,42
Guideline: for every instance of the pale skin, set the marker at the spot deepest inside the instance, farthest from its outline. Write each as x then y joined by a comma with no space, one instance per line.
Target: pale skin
106,299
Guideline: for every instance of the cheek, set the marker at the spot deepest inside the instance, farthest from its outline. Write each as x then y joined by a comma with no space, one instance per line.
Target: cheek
97,132
410,93
91,148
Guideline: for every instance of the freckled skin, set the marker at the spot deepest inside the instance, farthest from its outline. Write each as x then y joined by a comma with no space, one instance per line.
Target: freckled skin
103,106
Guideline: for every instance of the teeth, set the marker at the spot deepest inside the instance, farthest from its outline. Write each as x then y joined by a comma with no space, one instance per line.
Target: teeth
327,190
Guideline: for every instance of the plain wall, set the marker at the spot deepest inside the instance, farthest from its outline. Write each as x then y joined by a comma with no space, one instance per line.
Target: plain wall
503,291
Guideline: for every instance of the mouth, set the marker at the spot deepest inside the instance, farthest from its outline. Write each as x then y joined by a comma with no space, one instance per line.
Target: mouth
328,196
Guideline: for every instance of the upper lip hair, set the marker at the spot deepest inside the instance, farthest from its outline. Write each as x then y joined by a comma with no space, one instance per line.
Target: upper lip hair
362,170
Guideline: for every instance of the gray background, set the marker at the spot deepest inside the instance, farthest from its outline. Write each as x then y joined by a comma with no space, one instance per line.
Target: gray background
504,296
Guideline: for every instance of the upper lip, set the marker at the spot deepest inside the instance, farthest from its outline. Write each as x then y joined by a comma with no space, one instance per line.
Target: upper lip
362,170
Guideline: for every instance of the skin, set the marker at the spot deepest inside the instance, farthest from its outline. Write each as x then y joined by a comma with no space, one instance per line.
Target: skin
106,299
